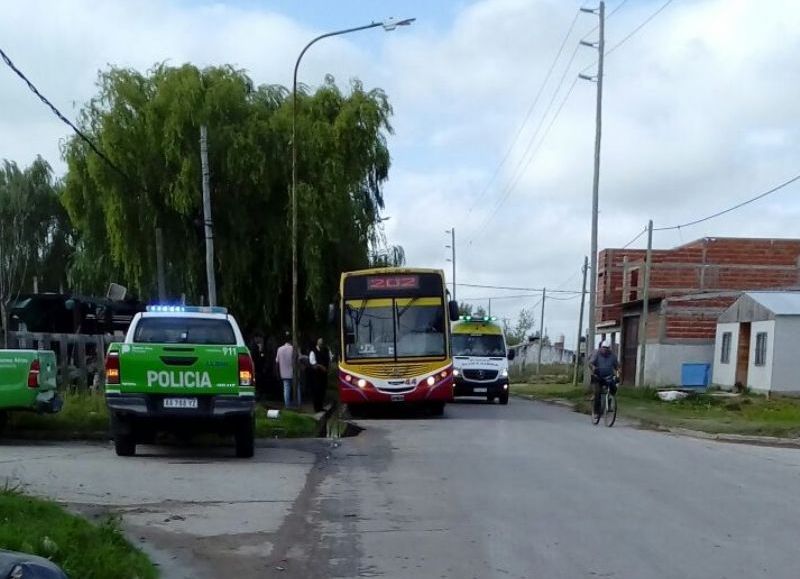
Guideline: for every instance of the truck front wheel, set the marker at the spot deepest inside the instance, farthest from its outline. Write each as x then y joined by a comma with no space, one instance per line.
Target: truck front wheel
245,438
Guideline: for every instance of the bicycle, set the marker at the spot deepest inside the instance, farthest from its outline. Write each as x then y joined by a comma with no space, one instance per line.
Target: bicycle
608,401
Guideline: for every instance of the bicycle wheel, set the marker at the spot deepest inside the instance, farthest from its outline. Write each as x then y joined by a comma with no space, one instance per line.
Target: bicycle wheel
595,416
610,415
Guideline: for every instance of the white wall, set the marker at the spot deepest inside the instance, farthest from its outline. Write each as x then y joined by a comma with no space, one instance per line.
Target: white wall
785,375
527,356
760,377
724,375
663,361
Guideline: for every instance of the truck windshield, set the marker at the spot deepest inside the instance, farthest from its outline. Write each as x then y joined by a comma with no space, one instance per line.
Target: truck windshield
489,345
391,328
184,330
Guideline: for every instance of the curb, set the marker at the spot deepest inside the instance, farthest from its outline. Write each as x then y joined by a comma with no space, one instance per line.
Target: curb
772,441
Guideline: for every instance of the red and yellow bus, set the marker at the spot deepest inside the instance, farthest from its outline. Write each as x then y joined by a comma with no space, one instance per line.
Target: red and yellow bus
394,326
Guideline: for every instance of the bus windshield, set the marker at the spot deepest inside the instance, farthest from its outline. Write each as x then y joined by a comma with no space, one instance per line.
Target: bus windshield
478,345
394,328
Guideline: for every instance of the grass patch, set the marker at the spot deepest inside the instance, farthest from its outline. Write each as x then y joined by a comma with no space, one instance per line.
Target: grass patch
289,424
80,548
749,414
83,416
548,374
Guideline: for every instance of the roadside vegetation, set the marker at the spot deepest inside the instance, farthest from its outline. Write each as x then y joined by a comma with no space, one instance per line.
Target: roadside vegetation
81,549
747,414
85,417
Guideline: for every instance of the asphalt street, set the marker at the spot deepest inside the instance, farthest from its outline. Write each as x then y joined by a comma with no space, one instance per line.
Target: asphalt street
524,490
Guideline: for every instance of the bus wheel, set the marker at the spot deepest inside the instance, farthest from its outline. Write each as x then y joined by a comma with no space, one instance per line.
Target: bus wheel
437,409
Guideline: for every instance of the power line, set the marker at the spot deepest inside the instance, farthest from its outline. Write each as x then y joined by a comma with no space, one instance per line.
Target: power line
729,209
512,184
59,114
608,17
632,32
520,289
527,114
642,232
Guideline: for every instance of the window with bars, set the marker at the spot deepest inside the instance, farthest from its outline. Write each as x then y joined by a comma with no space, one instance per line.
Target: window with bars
725,354
761,348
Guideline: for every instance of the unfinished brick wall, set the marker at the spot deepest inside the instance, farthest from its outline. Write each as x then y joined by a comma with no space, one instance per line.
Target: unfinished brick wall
704,265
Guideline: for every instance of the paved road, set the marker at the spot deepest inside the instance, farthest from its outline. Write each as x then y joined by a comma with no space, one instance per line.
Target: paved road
526,490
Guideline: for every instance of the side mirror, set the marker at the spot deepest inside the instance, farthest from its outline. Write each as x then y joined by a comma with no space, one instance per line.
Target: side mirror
511,354
453,310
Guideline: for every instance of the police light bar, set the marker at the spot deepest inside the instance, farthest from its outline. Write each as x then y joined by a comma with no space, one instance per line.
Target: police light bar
478,319
188,309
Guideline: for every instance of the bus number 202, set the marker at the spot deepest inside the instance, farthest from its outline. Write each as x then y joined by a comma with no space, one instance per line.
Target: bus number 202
392,282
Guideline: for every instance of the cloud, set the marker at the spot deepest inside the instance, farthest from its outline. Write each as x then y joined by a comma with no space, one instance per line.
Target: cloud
700,112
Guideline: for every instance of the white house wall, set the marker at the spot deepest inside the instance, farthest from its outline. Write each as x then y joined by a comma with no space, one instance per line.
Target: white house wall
760,377
724,375
785,373
663,362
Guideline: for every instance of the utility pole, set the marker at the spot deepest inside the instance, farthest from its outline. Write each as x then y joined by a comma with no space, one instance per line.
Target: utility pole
490,307
452,248
541,333
596,182
160,276
645,301
580,322
209,224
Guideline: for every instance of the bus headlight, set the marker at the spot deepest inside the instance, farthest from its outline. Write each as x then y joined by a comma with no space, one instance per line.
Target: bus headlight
504,373
362,383
430,381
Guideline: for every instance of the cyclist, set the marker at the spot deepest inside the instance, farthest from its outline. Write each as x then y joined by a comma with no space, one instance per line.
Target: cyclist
603,364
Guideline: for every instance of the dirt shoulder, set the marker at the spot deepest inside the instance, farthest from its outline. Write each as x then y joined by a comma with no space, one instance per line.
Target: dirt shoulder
740,418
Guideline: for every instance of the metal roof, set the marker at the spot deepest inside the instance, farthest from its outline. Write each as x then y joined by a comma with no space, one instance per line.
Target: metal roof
780,303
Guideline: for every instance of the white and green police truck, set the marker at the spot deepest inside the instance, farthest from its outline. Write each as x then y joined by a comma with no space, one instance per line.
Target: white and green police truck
181,370
480,358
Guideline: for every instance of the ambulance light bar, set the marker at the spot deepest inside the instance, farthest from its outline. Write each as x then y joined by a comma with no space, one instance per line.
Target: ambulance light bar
188,309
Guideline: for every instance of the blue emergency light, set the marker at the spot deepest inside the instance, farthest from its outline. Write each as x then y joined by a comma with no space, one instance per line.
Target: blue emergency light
188,309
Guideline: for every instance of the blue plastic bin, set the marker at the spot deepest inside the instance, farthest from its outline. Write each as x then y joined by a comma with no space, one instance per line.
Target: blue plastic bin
695,374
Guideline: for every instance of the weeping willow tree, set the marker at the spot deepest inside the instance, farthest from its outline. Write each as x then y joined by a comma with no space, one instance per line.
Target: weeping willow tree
148,125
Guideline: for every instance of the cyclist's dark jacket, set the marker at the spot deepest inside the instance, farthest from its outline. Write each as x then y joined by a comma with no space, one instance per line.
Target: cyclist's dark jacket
604,362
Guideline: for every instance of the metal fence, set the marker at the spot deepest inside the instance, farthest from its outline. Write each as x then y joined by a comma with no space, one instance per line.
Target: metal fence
80,356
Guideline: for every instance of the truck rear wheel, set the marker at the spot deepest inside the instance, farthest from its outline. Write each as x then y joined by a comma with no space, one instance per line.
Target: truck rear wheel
3,420
245,438
124,439
125,445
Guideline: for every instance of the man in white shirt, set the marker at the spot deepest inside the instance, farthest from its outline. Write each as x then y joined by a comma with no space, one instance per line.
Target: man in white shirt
285,361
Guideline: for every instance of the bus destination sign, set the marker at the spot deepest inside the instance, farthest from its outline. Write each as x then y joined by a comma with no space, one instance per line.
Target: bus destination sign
391,282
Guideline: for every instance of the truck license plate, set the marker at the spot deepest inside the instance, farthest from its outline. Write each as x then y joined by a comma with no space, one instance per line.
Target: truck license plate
398,397
180,402
479,390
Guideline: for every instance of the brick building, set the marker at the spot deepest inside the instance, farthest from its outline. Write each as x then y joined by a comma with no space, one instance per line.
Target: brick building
690,286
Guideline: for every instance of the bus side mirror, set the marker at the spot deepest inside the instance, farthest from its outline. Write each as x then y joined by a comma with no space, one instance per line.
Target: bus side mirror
453,310
512,354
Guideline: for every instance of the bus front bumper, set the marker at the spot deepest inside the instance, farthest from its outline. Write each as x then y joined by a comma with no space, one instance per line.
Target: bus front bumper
352,394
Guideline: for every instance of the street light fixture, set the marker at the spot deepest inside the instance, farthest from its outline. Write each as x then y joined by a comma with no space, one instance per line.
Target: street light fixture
388,25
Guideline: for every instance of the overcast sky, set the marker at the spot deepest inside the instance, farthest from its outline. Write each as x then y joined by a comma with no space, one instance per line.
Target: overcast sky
701,110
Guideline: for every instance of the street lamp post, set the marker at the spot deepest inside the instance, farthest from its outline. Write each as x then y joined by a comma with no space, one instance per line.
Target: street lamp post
388,25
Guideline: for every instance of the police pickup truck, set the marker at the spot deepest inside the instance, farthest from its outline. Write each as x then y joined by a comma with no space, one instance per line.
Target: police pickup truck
182,370
27,382
480,362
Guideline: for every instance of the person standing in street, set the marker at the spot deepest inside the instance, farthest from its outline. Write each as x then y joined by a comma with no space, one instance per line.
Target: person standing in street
320,361
285,364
